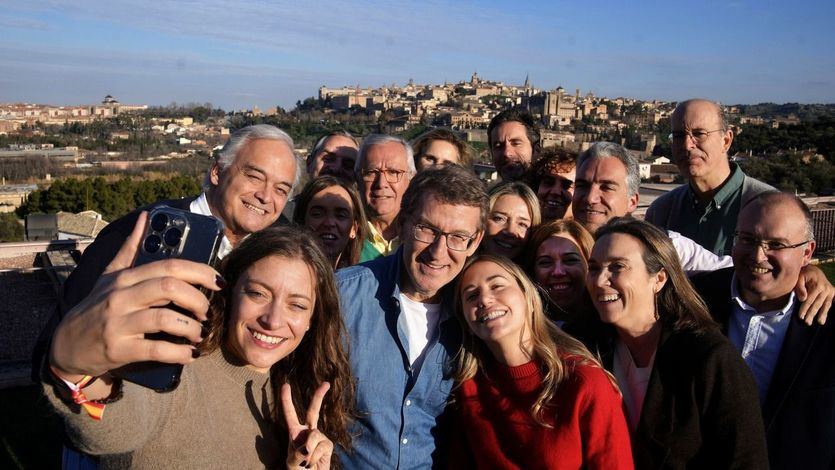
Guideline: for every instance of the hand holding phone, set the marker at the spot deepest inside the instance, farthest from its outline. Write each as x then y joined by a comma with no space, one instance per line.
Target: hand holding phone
107,329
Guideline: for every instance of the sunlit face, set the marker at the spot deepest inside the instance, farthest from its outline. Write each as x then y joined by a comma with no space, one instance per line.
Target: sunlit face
495,307
431,266
272,307
381,196
767,279
512,150
560,268
700,159
555,192
621,289
337,157
601,193
437,154
507,226
250,193
330,215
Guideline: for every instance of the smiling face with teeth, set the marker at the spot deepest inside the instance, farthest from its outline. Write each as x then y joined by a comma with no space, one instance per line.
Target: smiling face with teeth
431,266
560,268
766,280
495,308
601,192
272,306
250,194
330,214
555,192
507,226
621,288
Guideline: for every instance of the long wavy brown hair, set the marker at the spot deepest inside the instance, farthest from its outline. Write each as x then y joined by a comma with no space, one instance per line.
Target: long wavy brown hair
321,355
549,345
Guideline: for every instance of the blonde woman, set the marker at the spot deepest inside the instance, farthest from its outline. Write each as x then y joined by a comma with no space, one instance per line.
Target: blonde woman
529,396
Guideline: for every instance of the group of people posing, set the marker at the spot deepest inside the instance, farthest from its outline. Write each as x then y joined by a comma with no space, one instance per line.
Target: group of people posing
404,314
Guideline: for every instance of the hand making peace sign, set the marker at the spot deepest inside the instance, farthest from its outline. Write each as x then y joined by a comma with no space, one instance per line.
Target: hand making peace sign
307,446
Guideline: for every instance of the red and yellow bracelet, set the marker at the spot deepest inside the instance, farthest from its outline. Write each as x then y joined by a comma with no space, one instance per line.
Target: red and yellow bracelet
92,407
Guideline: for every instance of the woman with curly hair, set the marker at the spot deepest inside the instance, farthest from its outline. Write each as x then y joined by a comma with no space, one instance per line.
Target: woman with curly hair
529,396
270,351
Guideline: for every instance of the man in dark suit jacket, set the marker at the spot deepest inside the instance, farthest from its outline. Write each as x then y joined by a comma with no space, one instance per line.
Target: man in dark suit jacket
793,363
246,189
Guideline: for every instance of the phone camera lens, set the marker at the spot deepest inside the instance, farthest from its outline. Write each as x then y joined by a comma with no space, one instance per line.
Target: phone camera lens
152,244
159,222
172,236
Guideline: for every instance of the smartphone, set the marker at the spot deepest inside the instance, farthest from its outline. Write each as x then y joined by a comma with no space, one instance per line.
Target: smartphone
171,233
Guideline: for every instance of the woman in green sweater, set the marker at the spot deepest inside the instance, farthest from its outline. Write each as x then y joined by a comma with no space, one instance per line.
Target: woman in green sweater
270,350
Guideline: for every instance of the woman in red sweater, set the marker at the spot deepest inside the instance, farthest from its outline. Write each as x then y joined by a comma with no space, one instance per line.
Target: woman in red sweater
530,396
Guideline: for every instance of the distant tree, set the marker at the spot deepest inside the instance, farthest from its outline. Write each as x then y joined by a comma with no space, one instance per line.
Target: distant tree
11,230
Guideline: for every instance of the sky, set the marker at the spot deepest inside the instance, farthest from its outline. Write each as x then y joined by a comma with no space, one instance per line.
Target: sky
237,54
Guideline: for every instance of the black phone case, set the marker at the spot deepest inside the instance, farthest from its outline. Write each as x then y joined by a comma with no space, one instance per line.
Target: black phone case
200,239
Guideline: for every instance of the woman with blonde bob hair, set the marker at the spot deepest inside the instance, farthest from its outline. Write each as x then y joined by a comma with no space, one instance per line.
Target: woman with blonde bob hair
514,211
529,396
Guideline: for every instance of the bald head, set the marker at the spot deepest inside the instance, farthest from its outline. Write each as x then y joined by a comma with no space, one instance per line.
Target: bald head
700,144
774,241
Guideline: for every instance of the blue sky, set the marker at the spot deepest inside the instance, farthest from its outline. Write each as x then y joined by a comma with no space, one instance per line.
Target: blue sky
236,54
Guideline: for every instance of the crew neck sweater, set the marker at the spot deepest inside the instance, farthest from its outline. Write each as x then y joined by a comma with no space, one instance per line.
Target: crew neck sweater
218,417
497,431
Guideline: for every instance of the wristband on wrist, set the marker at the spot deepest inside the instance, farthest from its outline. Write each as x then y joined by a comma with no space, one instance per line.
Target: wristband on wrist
93,408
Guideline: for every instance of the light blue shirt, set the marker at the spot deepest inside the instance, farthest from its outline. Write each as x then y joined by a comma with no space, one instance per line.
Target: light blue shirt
402,421
759,336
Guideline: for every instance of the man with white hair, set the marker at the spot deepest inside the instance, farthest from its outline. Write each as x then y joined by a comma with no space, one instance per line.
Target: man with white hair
384,168
246,188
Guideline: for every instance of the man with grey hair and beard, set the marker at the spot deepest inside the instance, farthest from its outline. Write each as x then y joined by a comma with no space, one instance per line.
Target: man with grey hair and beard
385,166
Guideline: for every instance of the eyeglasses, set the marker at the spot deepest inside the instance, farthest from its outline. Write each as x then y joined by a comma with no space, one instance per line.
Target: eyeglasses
697,135
454,241
392,176
750,242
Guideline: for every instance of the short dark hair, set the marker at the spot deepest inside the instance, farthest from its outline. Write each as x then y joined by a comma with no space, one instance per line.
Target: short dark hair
522,116
552,159
451,184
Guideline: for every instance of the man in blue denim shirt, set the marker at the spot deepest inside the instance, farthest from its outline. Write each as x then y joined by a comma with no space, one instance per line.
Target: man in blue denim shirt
398,313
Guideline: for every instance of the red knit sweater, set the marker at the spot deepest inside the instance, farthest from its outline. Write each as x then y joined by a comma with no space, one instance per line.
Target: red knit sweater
494,428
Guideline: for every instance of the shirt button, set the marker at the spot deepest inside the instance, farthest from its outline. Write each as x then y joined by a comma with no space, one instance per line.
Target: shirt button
405,441
408,402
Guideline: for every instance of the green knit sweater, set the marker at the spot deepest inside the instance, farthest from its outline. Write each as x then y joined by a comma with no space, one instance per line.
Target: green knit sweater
218,417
